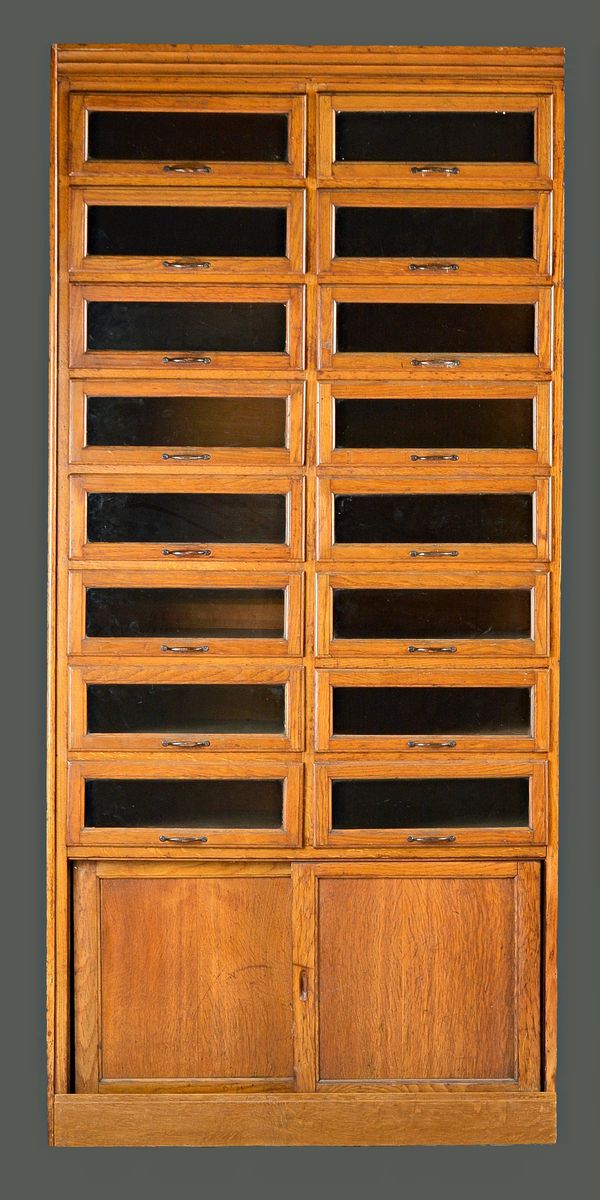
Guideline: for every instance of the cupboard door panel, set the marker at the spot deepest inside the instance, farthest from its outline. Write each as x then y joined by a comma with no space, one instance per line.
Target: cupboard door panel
429,975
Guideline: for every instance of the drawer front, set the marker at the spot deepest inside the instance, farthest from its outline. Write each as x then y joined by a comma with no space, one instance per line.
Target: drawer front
183,707
434,425
418,615
191,140
186,327
429,140
414,519
150,613
186,425
437,331
424,711
123,517
474,802
439,235
194,806
154,234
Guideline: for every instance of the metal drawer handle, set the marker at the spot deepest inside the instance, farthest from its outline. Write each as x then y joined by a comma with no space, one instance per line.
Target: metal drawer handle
435,362
185,649
200,170
434,554
435,170
431,838
180,264
413,457
183,841
431,745
188,553
187,457
422,649
434,266
185,745
187,358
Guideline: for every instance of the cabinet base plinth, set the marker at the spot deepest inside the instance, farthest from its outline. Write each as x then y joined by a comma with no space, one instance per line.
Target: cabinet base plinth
305,1120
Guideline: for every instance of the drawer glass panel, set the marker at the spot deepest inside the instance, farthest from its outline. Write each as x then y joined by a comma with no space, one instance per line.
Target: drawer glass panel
212,136
430,803
227,421
435,328
184,803
401,232
197,231
431,613
185,707
184,517
466,424
425,710
179,325
444,517
435,136
185,612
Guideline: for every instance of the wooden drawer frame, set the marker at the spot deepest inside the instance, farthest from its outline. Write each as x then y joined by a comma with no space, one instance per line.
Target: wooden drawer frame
144,647
400,648
81,549
152,360
81,674
537,680
192,767
415,363
110,171
470,174
120,268
432,768
540,455
218,457
418,269
492,552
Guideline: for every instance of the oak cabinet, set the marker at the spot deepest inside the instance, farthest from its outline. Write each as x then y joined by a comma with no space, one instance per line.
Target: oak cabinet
305,533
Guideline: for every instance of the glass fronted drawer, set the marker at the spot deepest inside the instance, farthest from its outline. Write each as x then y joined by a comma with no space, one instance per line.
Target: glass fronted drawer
419,140
474,802
445,613
185,425
437,331
416,711
411,518
183,707
140,517
152,234
147,613
186,327
191,140
149,803
435,425
503,236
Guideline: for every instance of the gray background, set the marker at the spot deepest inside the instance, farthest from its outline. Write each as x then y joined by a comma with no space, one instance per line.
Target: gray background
559,1171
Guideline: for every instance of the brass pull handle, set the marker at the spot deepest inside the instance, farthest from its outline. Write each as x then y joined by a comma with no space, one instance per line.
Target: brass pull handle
187,457
182,841
422,649
185,745
304,984
433,266
185,649
199,170
433,837
186,358
187,553
414,457
431,745
450,363
434,554
435,170
180,264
